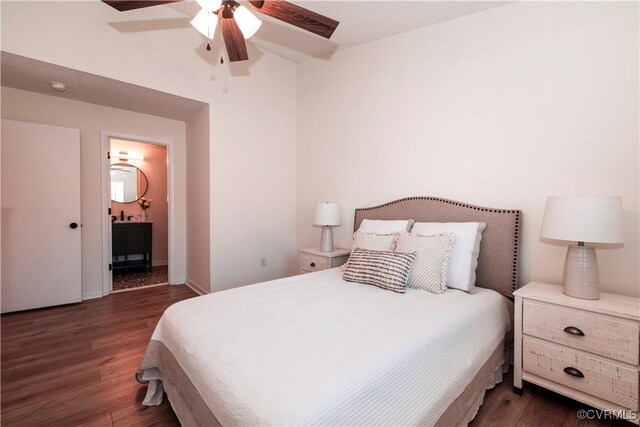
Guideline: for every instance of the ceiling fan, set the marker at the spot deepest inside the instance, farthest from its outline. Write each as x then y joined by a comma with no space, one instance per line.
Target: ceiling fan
238,23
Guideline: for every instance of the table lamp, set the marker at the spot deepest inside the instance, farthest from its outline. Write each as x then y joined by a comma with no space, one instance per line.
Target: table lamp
583,220
327,215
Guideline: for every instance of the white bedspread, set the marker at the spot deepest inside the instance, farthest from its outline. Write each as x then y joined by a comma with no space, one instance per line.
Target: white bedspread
313,349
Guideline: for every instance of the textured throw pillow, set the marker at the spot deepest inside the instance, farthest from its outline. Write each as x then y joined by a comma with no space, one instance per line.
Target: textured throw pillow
381,226
374,241
461,273
386,270
429,271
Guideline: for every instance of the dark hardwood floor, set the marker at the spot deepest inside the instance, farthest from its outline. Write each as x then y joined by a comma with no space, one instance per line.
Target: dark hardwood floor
537,407
74,365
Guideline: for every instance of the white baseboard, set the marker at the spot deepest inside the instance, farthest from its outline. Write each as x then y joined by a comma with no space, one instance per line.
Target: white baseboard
179,281
159,263
91,295
195,287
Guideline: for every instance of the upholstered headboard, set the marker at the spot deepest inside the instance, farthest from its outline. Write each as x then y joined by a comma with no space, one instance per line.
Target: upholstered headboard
500,245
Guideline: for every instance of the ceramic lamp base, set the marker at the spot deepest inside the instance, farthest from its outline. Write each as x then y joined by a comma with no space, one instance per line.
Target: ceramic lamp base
581,276
326,243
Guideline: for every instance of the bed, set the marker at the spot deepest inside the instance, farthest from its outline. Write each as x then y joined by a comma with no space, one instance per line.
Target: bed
316,350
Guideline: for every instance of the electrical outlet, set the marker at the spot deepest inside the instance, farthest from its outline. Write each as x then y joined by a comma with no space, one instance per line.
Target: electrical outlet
263,261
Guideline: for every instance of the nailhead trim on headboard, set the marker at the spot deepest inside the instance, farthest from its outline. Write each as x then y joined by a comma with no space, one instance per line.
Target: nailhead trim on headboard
516,212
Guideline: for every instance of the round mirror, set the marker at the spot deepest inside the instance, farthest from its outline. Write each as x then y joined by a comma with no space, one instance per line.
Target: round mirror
128,183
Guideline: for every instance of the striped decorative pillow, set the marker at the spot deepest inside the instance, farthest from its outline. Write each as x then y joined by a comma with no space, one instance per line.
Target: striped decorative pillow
386,270
429,271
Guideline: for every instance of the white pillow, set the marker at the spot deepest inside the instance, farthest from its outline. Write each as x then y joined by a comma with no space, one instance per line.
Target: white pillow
385,226
461,273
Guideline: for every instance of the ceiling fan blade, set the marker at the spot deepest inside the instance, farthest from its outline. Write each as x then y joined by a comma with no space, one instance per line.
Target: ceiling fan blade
233,39
124,5
297,16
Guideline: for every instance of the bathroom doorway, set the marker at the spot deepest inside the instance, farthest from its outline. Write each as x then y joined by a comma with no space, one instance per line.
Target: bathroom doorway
139,205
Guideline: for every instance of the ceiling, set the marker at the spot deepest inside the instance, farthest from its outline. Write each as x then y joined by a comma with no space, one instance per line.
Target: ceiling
360,22
29,74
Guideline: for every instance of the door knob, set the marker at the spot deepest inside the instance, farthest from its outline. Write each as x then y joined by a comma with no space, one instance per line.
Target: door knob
73,225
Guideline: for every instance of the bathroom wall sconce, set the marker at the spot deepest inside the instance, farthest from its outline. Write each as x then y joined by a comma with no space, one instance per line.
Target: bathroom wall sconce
123,155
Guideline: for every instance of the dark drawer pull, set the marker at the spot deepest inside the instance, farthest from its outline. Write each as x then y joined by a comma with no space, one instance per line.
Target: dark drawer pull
574,331
574,372
313,264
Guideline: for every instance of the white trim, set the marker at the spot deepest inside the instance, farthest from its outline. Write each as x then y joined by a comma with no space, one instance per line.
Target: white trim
195,287
159,263
106,202
91,295
180,280
106,221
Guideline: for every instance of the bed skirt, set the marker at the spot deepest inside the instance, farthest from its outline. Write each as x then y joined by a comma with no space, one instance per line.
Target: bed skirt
464,409
162,373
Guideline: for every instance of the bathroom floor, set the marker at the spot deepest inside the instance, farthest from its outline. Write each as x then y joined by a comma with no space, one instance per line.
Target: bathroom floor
156,276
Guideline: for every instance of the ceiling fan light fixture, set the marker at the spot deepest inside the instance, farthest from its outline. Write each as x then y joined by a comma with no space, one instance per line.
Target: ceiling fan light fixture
247,21
237,23
210,5
205,22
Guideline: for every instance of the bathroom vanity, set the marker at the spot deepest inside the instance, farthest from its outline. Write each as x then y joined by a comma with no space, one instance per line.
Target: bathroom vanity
131,245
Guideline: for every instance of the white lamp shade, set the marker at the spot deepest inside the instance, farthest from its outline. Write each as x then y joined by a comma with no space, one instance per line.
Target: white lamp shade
205,22
583,219
247,21
327,214
210,5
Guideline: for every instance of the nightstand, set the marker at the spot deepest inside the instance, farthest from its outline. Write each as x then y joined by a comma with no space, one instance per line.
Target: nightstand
315,260
584,349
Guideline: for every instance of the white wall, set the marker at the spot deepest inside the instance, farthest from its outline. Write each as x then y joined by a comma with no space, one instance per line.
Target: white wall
501,108
198,202
252,116
91,119
253,186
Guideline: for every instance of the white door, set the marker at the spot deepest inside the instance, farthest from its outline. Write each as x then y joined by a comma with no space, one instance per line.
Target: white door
40,234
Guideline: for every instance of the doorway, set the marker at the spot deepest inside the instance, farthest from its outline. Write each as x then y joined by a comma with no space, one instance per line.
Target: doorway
139,205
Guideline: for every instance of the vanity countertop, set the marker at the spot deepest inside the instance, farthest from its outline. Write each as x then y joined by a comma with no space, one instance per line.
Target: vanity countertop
131,222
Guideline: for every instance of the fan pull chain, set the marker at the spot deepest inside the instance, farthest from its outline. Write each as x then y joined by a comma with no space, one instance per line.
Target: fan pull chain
209,49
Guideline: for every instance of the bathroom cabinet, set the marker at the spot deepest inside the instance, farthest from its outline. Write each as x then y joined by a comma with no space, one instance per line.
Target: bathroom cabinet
131,245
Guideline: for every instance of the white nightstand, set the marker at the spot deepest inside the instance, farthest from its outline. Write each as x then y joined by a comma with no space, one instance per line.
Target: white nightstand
315,260
583,349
